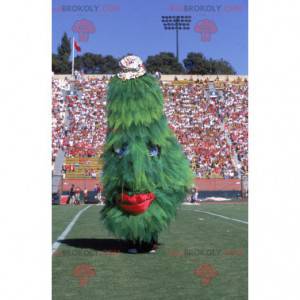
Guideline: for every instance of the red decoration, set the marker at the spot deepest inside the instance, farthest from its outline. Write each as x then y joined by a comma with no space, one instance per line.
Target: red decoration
77,47
136,204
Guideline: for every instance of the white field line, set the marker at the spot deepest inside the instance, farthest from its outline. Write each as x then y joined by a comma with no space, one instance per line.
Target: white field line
57,243
220,216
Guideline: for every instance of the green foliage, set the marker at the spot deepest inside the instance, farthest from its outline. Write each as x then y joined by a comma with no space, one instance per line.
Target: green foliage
110,65
197,63
96,64
89,62
136,119
64,50
164,62
60,66
221,66
60,61
55,64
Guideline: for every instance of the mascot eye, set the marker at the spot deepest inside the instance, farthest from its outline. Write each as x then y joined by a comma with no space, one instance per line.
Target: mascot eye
121,151
154,150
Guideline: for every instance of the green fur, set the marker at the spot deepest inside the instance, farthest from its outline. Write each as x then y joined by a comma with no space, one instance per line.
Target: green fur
136,118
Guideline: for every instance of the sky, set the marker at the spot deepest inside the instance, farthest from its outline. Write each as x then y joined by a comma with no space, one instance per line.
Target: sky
134,26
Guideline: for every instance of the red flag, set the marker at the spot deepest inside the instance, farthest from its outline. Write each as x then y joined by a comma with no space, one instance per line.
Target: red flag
77,47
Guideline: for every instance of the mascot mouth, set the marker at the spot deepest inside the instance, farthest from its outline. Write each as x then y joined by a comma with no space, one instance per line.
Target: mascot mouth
135,204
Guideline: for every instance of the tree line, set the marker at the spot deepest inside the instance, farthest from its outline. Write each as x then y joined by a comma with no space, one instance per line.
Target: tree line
164,62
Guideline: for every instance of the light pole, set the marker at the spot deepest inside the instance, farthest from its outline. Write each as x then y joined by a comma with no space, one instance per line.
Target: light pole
176,23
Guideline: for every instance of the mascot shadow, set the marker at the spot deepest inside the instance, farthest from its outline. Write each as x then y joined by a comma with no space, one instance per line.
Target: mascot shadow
104,245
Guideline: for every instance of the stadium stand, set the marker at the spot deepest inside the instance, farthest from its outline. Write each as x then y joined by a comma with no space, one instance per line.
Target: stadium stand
209,118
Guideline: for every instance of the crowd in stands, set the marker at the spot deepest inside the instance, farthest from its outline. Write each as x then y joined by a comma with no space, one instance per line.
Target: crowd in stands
195,120
59,109
234,111
211,128
79,121
87,128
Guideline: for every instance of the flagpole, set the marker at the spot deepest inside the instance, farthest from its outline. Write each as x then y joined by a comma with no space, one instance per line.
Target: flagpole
73,56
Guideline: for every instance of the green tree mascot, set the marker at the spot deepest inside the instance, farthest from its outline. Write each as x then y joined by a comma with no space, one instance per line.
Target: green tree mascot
145,174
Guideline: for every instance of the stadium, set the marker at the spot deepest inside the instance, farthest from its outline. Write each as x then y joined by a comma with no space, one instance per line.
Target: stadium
132,131
209,116
149,151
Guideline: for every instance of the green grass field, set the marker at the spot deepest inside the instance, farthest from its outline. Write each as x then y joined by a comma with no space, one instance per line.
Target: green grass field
193,241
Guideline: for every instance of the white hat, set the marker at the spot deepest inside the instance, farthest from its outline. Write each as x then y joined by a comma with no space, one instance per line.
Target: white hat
131,67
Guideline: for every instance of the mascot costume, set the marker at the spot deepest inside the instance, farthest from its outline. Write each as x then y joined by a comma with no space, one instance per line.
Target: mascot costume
145,173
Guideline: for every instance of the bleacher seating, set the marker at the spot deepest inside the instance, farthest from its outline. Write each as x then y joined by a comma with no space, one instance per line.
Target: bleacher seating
201,123
82,167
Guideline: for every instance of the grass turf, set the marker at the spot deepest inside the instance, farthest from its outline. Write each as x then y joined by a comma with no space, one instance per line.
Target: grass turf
62,215
193,240
235,211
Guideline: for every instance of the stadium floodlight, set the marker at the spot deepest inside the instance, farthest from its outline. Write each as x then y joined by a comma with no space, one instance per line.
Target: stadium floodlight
176,23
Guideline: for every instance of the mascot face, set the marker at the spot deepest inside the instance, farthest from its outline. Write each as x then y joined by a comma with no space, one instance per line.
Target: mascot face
145,173
129,200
